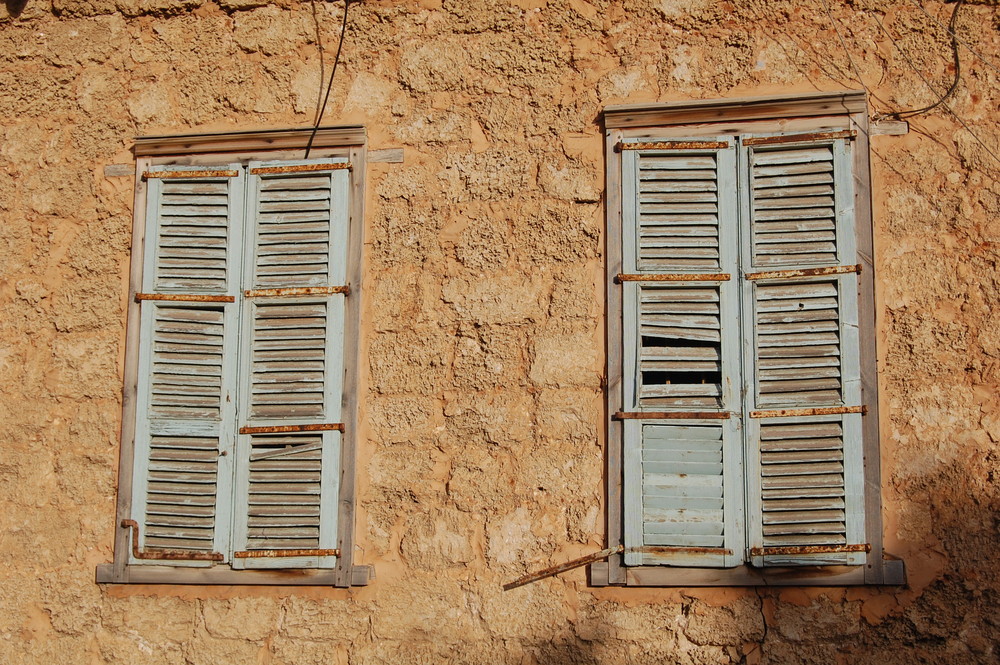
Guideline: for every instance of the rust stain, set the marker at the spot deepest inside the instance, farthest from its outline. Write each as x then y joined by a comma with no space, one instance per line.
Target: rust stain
182,297
675,145
798,138
666,415
298,291
260,554
264,170
165,554
281,429
673,277
809,549
804,272
189,174
818,411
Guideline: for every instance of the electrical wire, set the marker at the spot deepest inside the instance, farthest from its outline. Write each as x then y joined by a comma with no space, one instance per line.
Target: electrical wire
955,36
329,85
322,61
990,151
958,68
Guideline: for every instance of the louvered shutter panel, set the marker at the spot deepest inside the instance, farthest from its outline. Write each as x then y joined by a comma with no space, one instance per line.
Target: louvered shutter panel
292,365
188,354
805,469
683,495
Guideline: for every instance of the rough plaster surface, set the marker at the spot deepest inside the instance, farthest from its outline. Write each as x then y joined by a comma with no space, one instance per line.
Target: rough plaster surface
481,455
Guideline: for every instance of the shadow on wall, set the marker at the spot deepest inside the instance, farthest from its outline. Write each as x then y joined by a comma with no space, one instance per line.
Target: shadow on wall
15,7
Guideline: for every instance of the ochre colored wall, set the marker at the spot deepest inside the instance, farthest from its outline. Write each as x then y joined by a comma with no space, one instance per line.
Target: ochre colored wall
481,456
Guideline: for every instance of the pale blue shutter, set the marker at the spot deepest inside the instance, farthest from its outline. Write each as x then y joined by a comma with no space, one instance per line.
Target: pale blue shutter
805,479
188,351
292,367
682,452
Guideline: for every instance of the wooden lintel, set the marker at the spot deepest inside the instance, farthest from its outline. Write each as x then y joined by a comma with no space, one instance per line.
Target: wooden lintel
671,415
299,168
804,272
183,297
673,145
818,411
799,138
250,141
298,291
167,175
284,429
771,107
673,277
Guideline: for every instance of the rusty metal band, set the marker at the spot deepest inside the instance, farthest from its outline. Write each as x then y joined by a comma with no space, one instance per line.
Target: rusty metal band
165,554
168,175
809,549
663,549
818,411
674,145
668,415
182,297
265,170
298,291
620,278
284,429
804,272
800,138
262,554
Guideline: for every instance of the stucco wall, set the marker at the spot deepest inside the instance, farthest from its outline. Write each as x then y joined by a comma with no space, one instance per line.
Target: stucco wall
481,455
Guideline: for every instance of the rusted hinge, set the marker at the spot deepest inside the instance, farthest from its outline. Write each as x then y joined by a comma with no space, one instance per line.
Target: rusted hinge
165,554
265,170
261,554
182,297
672,277
284,429
799,138
297,291
804,272
816,411
673,145
667,415
809,549
166,175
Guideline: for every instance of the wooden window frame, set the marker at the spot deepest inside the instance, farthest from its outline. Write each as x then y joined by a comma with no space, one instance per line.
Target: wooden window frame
348,142
796,113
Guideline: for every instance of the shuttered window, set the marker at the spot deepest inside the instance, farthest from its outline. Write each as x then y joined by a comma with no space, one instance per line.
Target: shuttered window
741,403
238,424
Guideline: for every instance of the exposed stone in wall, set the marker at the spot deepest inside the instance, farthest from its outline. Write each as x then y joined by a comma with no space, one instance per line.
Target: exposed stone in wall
481,456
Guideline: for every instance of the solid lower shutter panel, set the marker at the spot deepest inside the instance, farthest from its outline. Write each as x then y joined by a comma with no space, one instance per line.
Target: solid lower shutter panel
805,480
188,354
292,367
683,478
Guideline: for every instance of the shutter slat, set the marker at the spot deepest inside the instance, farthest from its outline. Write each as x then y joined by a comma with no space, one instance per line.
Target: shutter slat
793,184
677,199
